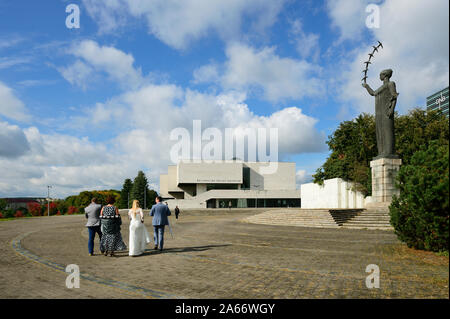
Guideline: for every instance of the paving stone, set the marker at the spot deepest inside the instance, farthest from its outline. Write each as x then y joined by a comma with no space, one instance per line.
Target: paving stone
215,255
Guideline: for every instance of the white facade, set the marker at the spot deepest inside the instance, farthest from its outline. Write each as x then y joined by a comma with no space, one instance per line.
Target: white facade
334,193
221,183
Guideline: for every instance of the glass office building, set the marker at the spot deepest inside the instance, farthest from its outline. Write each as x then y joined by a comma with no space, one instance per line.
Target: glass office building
438,101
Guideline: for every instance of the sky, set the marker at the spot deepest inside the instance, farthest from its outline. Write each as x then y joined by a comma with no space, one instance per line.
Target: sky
84,108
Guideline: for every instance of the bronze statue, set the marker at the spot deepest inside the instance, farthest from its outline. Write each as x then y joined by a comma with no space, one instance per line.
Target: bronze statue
385,101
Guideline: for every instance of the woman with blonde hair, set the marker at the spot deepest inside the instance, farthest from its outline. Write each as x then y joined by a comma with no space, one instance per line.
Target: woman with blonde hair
139,236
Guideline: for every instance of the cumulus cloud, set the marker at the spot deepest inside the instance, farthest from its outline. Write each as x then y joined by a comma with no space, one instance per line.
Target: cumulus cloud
13,142
78,73
348,17
178,23
67,163
10,106
94,59
155,110
141,119
302,177
418,52
206,73
278,78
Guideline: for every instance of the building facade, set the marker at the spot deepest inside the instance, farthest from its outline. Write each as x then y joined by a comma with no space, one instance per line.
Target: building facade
22,202
224,184
438,101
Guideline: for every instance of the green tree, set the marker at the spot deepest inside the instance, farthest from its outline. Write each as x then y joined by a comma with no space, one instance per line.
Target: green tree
126,191
140,185
3,204
420,215
151,195
353,145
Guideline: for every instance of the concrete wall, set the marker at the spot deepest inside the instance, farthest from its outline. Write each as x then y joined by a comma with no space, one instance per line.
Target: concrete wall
194,173
172,172
334,193
163,185
282,179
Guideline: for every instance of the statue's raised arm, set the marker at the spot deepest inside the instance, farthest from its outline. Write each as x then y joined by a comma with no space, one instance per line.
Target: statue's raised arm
368,88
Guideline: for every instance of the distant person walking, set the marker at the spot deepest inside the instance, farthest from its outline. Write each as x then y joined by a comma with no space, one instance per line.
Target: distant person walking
229,205
177,212
92,213
160,213
139,236
111,221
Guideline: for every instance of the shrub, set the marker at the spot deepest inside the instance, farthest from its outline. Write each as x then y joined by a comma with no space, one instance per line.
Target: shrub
8,213
1,215
420,215
19,214
34,209
3,204
53,208
72,210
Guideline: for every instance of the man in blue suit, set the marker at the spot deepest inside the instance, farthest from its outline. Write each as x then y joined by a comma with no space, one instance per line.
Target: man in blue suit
160,220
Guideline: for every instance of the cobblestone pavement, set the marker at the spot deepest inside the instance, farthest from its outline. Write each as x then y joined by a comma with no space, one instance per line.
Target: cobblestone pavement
216,255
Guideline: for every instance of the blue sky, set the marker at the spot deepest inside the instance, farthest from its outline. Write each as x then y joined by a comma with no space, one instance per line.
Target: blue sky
85,108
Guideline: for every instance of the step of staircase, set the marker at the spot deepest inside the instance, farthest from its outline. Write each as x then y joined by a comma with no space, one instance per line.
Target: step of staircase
305,218
374,218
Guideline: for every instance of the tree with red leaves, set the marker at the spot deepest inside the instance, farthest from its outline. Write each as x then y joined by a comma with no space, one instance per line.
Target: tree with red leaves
34,209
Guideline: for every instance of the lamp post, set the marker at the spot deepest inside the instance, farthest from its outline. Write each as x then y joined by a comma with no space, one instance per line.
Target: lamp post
48,199
145,198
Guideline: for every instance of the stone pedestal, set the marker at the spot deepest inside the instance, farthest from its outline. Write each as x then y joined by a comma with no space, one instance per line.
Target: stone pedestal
384,171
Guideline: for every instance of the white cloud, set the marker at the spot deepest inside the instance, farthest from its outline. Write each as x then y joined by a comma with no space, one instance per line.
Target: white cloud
7,62
143,119
97,59
67,163
206,73
11,106
10,41
306,44
154,110
78,73
418,53
348,17
13,142
302,177
178,23
278,77
109,14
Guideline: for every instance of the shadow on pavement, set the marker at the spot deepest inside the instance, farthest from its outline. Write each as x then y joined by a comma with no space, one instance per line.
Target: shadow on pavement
181,249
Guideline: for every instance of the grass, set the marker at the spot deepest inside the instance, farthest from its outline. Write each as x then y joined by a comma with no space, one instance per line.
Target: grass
443,253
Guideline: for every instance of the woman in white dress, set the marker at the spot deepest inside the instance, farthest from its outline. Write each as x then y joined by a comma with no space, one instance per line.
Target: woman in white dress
139,236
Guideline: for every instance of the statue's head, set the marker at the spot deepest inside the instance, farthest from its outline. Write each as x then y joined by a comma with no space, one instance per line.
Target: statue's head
385,73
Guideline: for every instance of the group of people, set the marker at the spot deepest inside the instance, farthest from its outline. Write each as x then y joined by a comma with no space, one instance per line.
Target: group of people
106,222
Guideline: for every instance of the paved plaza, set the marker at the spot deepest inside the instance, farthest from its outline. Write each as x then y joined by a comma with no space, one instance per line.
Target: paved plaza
216,254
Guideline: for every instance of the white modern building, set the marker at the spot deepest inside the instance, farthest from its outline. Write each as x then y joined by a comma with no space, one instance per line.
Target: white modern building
221,184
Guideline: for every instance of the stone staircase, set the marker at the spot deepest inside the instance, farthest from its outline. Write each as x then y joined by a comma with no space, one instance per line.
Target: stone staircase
298,217
342,216
373,218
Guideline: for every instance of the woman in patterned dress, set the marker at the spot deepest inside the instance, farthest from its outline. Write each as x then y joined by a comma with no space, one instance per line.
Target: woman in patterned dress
112,238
